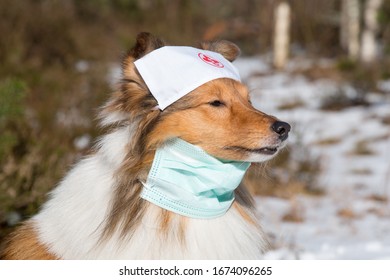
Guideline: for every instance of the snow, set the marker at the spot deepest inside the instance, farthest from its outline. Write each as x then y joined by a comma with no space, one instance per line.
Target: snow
352,219
82,142
384,85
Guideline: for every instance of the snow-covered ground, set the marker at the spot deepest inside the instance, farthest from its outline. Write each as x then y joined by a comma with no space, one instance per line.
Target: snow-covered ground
352,219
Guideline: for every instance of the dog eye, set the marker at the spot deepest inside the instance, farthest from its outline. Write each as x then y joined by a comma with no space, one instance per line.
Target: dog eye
216,103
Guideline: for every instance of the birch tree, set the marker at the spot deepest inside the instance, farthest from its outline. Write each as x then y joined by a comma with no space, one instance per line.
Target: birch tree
350,27
281,35
369,49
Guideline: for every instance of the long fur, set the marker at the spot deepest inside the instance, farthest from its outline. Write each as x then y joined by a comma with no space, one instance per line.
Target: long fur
96,212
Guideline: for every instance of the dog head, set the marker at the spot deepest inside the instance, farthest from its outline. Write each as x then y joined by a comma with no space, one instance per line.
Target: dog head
217,116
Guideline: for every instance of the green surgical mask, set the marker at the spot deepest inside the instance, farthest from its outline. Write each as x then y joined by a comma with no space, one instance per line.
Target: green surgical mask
186,180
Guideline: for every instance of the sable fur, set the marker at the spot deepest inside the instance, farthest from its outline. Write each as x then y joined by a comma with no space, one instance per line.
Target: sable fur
96,211
23,244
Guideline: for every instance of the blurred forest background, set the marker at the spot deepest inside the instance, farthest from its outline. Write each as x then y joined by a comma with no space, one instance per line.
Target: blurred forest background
56,61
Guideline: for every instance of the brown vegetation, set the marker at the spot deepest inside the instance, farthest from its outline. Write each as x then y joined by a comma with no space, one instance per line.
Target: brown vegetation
56,57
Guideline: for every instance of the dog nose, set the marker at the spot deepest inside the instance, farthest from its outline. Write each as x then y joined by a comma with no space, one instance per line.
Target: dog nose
281,128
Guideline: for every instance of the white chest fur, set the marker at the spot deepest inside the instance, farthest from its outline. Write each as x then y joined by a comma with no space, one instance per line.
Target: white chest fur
71,222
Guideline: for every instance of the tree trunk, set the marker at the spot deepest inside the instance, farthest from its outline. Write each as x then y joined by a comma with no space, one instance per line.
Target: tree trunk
349,27
369,49
281,35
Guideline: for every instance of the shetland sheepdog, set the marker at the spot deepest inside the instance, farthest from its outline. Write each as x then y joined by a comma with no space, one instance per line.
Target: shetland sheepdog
96,211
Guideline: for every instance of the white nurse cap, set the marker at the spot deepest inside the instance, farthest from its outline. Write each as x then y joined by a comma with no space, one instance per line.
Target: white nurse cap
171,72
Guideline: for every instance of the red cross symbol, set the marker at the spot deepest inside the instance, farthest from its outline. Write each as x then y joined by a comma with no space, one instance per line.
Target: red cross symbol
210,60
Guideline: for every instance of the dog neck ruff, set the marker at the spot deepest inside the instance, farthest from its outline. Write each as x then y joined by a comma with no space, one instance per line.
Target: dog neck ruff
171,72
186,180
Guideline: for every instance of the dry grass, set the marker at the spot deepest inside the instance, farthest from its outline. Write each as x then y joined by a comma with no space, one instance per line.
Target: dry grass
328,142
340,100
347,213
321,72
378,198
294,104
295,213
362,149
294,171
380,212
362,171
386,120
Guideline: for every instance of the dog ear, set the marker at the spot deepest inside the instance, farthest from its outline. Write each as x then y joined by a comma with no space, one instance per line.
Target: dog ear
229,50
133,96
145,43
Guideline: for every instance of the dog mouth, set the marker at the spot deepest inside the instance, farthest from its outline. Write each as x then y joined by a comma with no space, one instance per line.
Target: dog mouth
261,151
